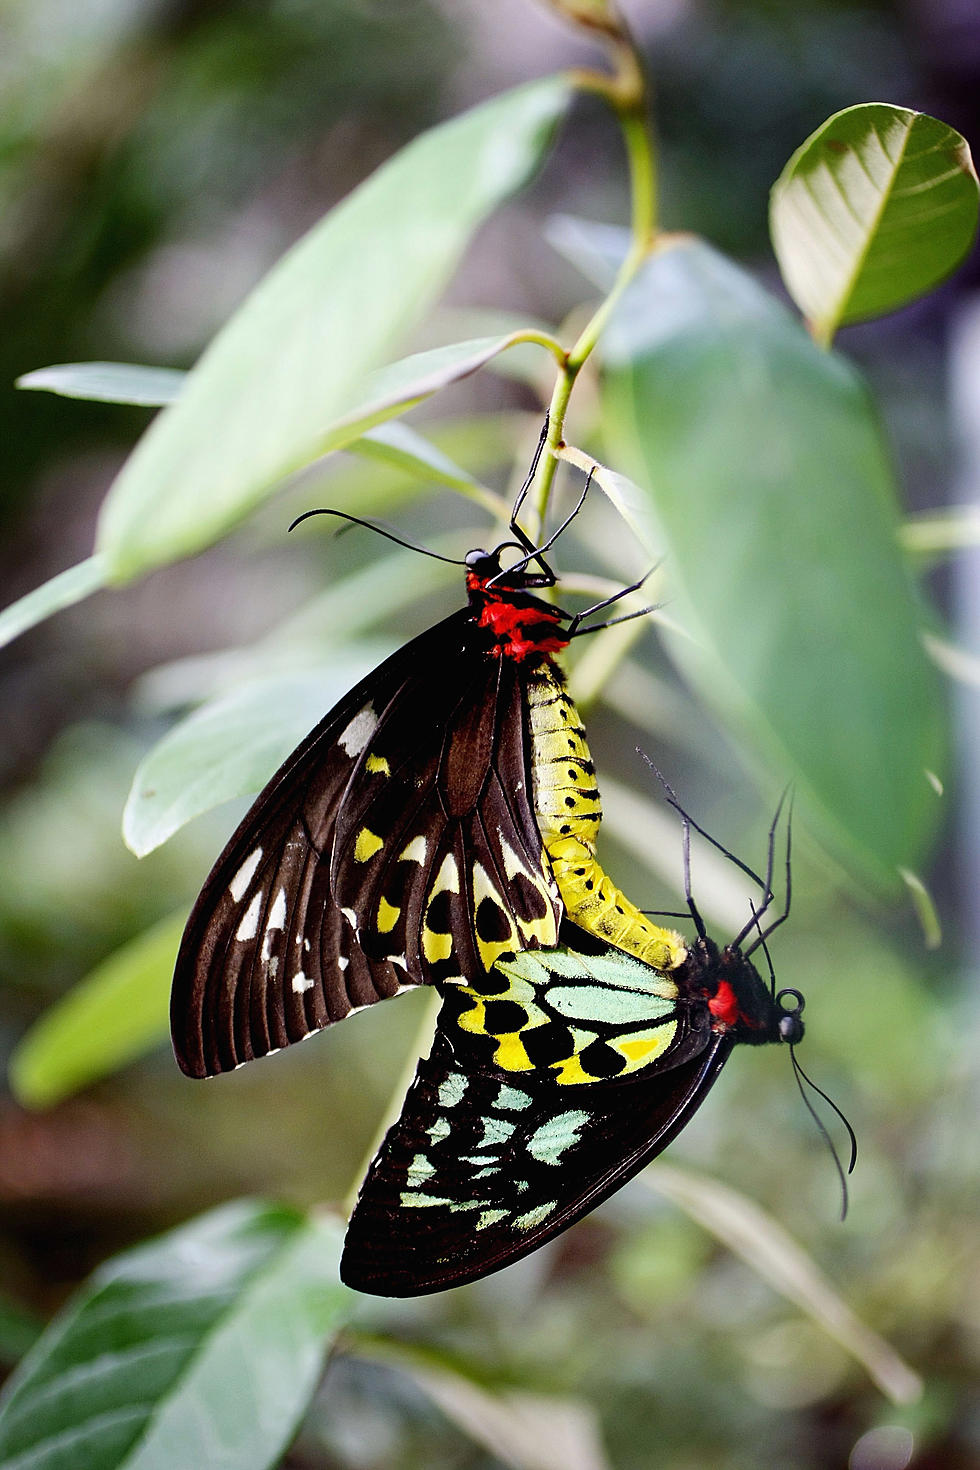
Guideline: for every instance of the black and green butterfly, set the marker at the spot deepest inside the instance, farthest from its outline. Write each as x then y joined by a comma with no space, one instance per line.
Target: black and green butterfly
486,1163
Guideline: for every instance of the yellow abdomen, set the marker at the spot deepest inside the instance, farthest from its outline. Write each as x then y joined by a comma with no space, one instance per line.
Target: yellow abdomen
568,811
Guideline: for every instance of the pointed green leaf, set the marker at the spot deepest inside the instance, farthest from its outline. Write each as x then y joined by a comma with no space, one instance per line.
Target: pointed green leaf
230,747
51,597
108,382
767,485
201,1348
117,1013
875,208
398,444
295,359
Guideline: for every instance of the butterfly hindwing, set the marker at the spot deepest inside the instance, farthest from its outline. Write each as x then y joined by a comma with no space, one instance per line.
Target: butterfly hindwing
541,1096
484,1166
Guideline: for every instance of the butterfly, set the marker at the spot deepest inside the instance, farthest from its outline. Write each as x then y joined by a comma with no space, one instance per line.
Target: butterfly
400,843
551,1082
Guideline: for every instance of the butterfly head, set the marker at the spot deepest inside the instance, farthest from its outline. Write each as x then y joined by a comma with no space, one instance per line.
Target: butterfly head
522,626
739,1000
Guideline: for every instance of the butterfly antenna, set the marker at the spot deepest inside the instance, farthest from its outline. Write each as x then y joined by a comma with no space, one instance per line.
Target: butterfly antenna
686,817
536,553
380,530
802,1077
528,482
764,934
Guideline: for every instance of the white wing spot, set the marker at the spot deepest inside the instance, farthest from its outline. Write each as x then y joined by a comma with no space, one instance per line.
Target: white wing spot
301,982
277,918
273,967
244,876
416,851
351,918
342,962
248,928
359,731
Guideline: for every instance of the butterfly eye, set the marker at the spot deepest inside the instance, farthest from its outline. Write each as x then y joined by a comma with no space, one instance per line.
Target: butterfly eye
791,1019
475,558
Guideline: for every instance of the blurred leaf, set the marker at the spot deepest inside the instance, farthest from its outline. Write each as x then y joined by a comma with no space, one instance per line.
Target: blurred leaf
763,1244
958,663
62,591
875,208
201,1348
925,908
108,382
114,1015
314,633
230,747
19,1331
595,249
123,382
398,444
767,482
954,528
269,393
528,1431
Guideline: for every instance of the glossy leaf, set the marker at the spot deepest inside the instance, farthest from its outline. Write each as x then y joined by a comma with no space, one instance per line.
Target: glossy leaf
53,596
117,1013
230,747
201,1348
108,382
769,489
875,208
268,394
399,444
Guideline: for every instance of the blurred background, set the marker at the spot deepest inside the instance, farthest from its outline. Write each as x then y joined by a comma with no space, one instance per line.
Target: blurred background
155,160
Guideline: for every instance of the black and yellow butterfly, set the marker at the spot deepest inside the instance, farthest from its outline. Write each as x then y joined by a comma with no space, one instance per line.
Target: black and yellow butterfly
399,844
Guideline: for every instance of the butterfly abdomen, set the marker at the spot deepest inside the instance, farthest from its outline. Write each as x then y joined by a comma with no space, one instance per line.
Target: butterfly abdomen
568,811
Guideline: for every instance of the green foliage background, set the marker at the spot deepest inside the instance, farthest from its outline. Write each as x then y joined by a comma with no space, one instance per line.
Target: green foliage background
154,162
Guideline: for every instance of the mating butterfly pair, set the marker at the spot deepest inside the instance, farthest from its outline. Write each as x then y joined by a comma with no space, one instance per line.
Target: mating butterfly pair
438,827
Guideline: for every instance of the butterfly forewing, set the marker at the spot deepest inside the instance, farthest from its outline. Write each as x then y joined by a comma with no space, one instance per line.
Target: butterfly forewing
365,864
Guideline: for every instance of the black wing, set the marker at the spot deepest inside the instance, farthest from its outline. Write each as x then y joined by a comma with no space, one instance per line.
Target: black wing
484,1165
364,864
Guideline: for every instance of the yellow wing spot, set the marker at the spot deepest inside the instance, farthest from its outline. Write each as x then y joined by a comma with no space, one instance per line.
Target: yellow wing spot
366,846
436,946
376,765
387,916
571,1070
415,852
640,1049
474,1020
511,1054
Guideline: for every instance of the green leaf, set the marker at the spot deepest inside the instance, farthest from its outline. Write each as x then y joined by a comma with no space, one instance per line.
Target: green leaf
769,488
875,208
596,250
201,1348
54,596
108,382
398,444
117,1013
293,363
230,747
